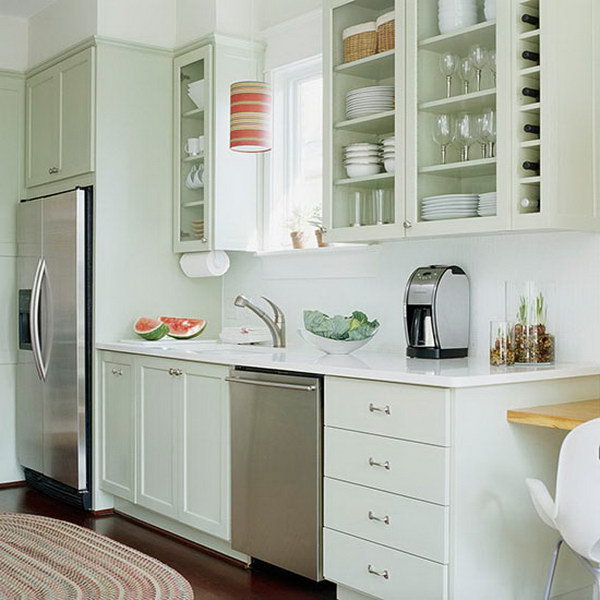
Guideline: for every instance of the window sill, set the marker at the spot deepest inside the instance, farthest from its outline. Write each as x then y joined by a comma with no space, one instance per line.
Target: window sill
327,250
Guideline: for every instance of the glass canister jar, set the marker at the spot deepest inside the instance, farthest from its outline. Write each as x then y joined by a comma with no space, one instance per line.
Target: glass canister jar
502,351
530,305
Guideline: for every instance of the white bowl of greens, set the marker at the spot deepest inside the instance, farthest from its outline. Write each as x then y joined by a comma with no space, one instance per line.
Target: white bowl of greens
338,334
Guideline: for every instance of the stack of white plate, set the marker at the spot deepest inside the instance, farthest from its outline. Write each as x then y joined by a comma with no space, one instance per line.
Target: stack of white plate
449,206
487,205
489,9
370,100
362,159
456,14
388,153
196,92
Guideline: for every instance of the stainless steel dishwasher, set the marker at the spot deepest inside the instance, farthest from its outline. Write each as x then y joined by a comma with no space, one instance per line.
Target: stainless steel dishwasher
277,467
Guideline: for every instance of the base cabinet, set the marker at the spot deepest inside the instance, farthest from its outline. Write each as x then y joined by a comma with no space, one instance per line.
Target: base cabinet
165,438
117,418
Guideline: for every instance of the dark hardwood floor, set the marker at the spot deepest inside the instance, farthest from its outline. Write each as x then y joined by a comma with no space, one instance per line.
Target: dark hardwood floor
212,578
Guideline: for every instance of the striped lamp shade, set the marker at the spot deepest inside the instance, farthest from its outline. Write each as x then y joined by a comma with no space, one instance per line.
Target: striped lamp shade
250,126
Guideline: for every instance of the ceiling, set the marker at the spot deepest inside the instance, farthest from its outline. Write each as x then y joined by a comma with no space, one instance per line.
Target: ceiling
23,8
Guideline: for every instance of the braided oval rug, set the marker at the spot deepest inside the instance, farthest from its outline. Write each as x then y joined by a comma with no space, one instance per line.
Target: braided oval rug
47,559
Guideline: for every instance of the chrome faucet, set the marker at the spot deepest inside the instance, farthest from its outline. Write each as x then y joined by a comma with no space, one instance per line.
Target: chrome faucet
276,325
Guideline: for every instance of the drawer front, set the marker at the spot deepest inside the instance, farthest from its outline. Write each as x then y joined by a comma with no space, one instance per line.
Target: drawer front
401,523
382,572
401,411
415,470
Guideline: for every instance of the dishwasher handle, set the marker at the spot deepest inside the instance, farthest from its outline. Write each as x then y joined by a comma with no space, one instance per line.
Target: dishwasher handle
272,384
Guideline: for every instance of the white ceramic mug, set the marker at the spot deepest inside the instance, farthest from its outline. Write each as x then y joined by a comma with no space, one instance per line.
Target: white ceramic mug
192,146
190,182
198,177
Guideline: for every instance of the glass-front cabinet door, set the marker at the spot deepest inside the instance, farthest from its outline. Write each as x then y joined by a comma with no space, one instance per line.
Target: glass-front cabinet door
364,120
458,119
193,149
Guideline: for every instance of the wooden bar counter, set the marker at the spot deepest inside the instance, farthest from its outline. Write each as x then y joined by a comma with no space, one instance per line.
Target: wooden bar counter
557,416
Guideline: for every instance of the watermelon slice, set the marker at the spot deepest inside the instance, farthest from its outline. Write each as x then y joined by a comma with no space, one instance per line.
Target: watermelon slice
150,329
184,329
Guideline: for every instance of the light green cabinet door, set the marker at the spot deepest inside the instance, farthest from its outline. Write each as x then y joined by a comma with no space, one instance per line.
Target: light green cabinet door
204,447
42,128
76,97
60,120
117,426
157,435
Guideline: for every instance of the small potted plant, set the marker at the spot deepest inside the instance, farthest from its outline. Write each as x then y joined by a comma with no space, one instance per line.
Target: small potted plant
533,342
306,229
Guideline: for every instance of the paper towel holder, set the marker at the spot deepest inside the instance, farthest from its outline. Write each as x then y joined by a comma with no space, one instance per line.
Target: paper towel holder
204,264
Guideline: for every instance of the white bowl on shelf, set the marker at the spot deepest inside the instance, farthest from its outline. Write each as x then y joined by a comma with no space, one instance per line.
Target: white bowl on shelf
363,170
333,346
389,165
364,160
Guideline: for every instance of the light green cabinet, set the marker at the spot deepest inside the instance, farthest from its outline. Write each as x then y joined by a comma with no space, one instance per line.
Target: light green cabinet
157,423
203,205
117,430
59,120
165,438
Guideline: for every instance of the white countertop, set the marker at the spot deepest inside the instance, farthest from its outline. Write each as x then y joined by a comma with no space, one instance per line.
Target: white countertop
452,373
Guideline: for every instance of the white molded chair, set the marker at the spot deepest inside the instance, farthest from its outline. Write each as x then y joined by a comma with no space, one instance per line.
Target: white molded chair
575,512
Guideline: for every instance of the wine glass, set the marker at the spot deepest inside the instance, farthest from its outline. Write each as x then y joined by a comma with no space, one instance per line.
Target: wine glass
480,135
465,134
479,57
444,130
489,131
448,66
465,70
492,64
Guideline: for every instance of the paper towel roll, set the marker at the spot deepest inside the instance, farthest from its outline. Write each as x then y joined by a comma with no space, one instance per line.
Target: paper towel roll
205,264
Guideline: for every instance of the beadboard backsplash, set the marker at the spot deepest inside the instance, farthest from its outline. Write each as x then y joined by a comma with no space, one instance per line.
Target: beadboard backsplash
373,280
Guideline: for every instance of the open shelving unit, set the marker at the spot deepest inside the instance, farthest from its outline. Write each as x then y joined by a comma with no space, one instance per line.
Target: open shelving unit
192,121
341,216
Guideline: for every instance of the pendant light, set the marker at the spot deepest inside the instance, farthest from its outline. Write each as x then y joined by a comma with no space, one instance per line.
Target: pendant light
250,125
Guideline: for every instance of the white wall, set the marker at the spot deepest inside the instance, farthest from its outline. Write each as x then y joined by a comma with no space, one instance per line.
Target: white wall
144,21
572,260
13,43
195,18
60,26
271,12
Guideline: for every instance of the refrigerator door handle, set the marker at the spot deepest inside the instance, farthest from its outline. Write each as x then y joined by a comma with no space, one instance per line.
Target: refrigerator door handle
34,320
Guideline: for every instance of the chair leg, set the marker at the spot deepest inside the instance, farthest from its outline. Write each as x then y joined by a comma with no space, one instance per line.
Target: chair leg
552,569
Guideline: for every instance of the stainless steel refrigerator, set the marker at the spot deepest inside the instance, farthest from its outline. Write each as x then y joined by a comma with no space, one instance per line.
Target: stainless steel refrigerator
54,271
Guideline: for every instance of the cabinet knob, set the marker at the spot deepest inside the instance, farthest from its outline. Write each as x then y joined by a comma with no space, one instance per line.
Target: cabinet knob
407,224
384,465
380,409
117,372
374,517
385,574
175,372
203,240
53,170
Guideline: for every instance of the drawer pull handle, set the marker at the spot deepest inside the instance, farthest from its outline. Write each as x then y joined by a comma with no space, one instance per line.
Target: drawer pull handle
374,517
175,372
385,410
385,574
385,465
117,372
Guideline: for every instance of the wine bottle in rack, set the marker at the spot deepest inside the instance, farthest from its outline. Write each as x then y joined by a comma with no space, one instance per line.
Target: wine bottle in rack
532,56
530,128
531,20
531,165
529,203
530,92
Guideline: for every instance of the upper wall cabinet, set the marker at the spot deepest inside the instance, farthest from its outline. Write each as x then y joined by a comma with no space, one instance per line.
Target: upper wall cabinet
494,127
212,183
59,120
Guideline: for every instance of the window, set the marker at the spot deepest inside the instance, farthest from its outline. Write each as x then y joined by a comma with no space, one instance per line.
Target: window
294,169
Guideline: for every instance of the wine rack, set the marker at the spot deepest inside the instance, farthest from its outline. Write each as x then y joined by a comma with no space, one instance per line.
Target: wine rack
529,131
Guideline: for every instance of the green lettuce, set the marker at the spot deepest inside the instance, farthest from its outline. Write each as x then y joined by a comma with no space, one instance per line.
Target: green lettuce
355,327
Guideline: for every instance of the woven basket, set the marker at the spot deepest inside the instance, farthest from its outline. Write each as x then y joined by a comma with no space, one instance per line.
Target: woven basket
386,33
360,45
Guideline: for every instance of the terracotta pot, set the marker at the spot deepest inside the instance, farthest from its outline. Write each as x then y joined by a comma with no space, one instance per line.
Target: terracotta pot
298,239
319,236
